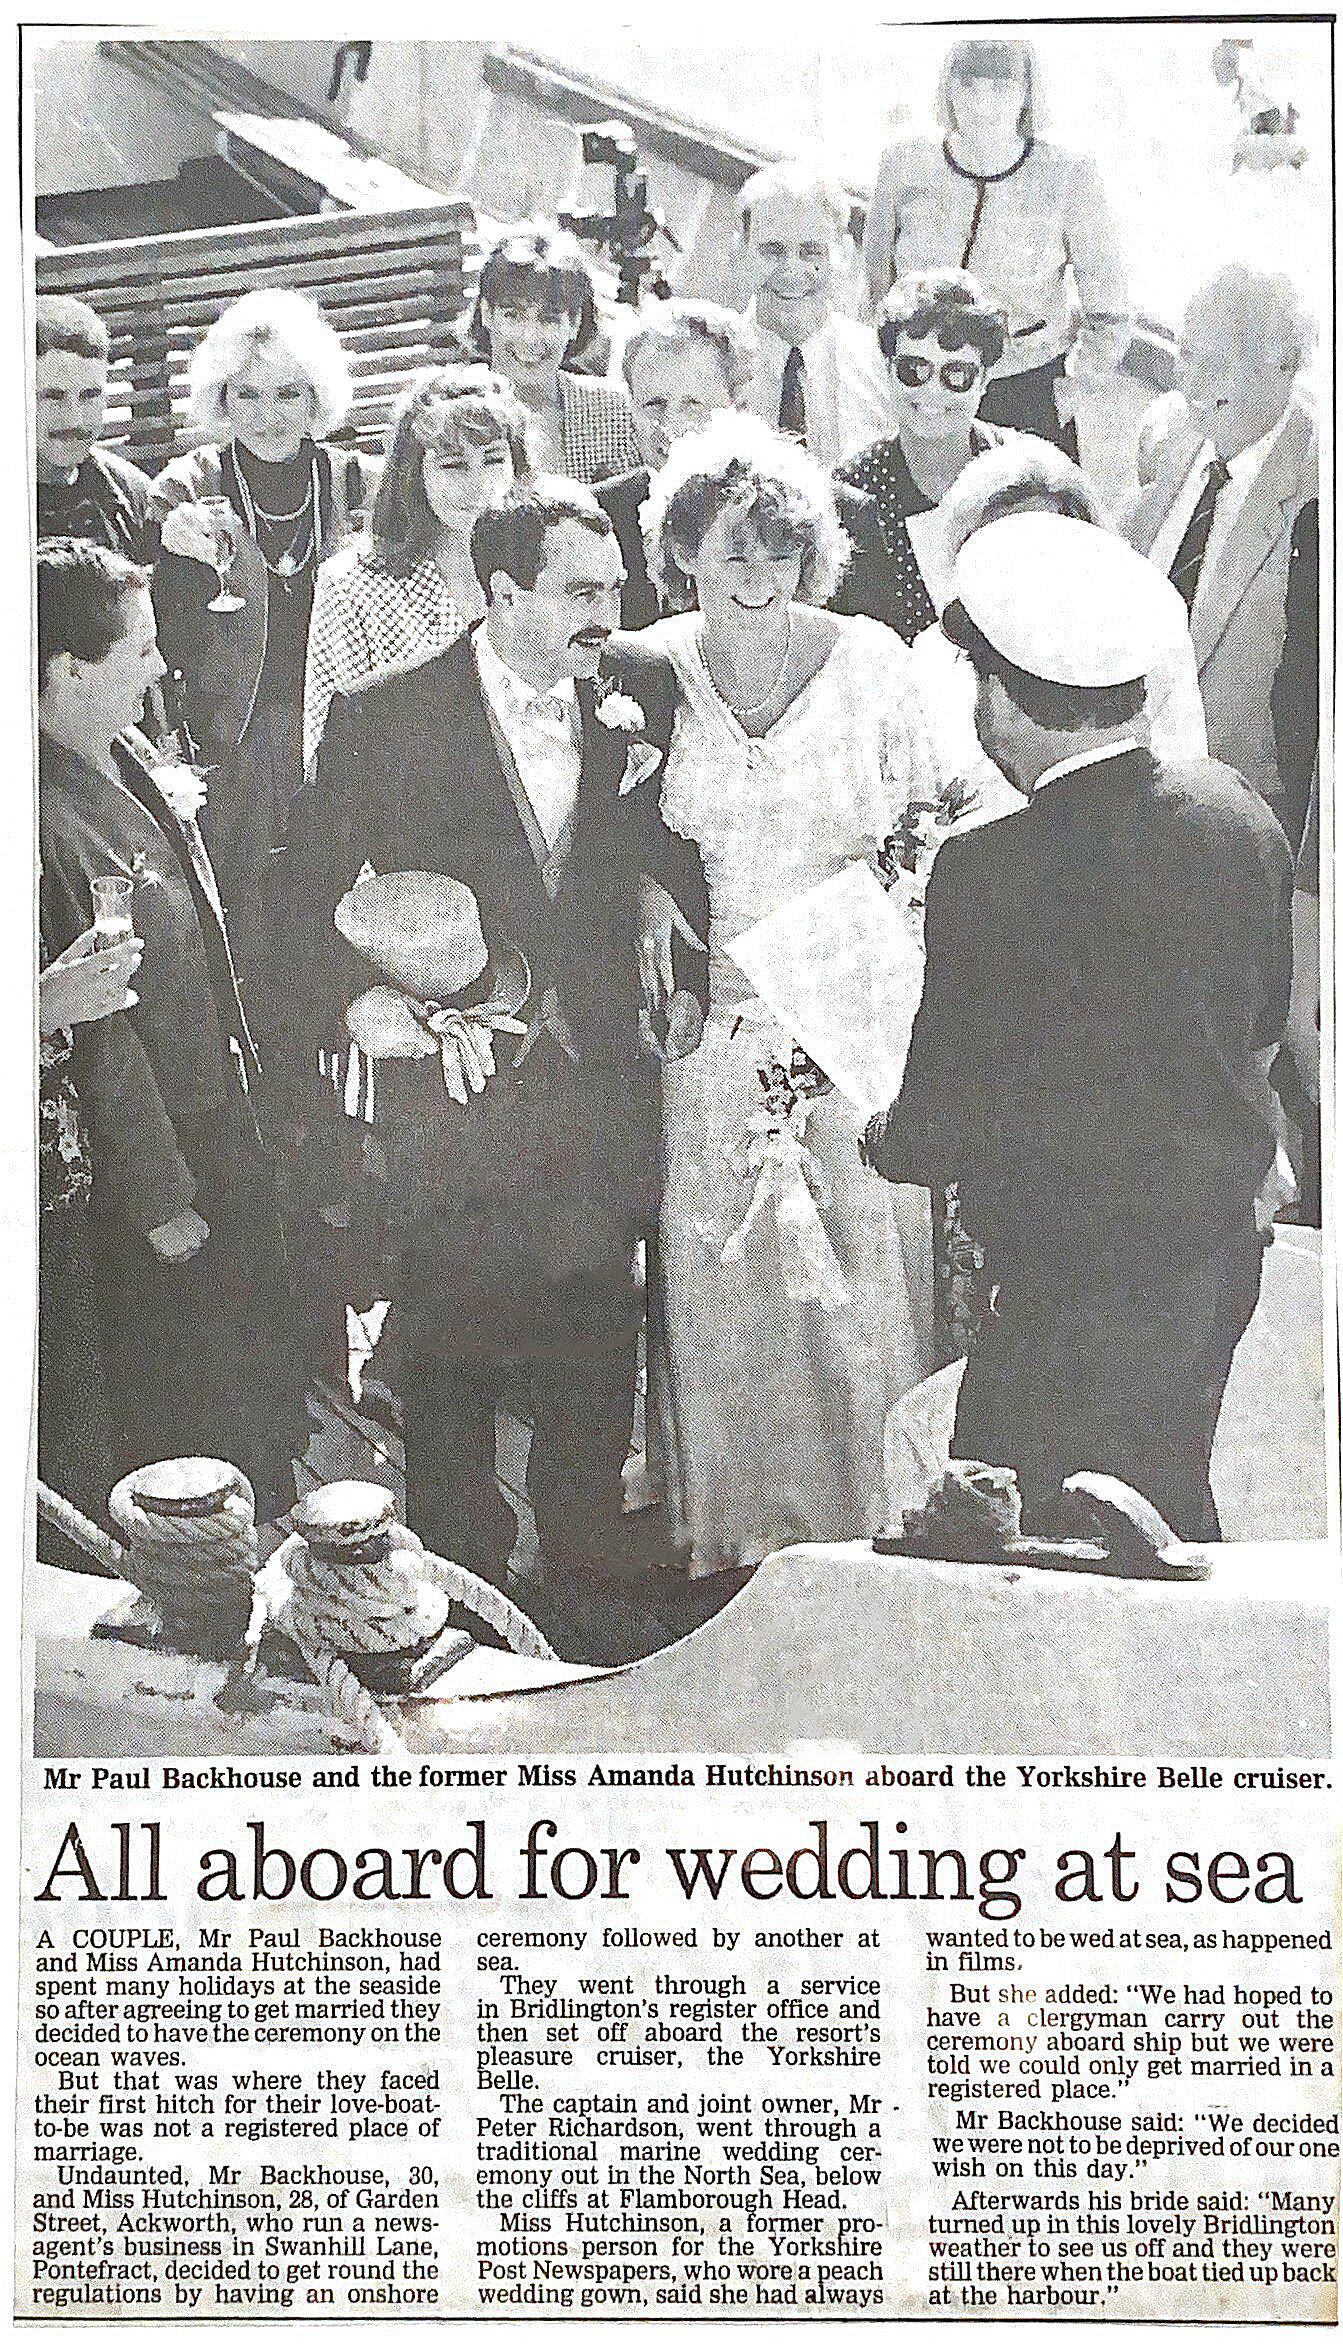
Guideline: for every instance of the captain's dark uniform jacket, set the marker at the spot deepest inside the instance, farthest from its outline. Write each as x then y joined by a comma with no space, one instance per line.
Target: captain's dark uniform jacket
521,1204
1102,970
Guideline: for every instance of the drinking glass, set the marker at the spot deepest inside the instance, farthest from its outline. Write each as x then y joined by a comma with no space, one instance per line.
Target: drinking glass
224,531
112,921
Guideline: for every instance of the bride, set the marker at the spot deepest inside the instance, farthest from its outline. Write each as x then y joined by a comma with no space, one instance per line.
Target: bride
796,1290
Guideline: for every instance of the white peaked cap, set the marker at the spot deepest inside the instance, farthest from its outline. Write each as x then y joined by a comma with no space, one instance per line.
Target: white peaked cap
1066,601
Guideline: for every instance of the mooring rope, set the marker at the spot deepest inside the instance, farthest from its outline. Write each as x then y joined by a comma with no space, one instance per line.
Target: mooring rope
343,1607
182,1561
338,1607
81,1532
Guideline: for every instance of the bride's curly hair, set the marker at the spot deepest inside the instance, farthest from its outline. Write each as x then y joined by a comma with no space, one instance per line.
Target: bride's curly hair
776,488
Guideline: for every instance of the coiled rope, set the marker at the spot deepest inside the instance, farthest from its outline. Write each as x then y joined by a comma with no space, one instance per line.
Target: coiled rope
344,1607
183,1563
335,1610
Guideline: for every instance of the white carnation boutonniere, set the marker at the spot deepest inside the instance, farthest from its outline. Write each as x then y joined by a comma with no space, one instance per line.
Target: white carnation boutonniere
620,712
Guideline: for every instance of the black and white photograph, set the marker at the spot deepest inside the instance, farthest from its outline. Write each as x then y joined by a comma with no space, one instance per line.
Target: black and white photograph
683,1490
683,861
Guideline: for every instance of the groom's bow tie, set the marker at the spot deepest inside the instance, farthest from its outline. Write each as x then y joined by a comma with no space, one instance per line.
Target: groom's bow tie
549,712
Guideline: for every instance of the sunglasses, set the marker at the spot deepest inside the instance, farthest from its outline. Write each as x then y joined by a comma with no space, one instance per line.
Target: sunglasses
954,374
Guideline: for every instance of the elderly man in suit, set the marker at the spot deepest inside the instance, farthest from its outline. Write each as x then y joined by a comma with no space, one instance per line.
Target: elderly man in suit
1229,512
1107,976
511,765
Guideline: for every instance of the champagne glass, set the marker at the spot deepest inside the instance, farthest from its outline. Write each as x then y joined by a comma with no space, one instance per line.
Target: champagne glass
112,921
224,532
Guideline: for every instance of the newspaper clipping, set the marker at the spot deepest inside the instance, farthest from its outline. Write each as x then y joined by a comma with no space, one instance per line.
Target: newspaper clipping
676,1635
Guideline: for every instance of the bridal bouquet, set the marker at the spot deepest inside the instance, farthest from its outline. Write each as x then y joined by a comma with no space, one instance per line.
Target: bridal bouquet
911,847
789,1180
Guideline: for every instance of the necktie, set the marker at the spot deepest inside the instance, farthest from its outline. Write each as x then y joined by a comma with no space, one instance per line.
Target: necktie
1184,570
793,398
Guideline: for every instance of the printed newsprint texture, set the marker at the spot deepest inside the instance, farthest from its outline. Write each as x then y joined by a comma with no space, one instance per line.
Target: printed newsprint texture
902,1936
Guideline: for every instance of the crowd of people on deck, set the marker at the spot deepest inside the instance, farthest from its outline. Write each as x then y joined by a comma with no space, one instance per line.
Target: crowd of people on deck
453,789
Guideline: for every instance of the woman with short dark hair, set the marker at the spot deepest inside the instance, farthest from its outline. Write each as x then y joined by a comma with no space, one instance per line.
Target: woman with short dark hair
940,334
1029,218
189,1278
535,316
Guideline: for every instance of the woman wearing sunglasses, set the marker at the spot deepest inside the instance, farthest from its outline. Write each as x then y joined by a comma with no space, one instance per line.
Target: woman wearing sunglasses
940,334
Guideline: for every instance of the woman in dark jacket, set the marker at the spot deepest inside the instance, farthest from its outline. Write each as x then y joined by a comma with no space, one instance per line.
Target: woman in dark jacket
188,1267
80,986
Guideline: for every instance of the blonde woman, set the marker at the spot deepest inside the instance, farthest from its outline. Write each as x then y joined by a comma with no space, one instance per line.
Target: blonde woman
245,519
401,593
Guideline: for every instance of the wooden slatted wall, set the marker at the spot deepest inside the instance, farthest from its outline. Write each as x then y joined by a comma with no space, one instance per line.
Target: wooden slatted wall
394,285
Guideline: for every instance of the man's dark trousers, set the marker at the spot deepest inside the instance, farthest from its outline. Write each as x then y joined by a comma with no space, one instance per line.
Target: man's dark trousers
582,1404
1123,1377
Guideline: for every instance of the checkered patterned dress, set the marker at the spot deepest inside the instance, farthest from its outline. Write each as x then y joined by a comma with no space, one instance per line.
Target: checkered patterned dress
367,623
599,441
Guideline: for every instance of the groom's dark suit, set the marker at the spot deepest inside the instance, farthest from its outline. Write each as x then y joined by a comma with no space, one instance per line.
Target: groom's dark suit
519,1212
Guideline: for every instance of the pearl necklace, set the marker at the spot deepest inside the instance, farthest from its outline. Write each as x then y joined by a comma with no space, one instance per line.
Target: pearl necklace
741,714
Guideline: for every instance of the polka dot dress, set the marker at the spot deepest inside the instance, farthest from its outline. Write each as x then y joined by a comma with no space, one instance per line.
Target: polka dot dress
882,473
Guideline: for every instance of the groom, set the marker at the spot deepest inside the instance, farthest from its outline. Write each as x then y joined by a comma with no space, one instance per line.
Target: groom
511,765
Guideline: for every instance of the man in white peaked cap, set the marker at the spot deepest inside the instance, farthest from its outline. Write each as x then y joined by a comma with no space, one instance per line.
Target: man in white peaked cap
1107,976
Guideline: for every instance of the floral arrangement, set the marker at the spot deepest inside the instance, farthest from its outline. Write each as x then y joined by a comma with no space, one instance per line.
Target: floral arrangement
789,1182
787,1088
913,844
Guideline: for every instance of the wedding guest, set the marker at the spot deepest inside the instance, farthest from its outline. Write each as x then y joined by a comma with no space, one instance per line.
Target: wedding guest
939,335
494,766
82,490
399,594
796,1293
684,362
1107,977
536,314
1029,218
245,519
1296,732
1238,472
80,986
189,1279
819,376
